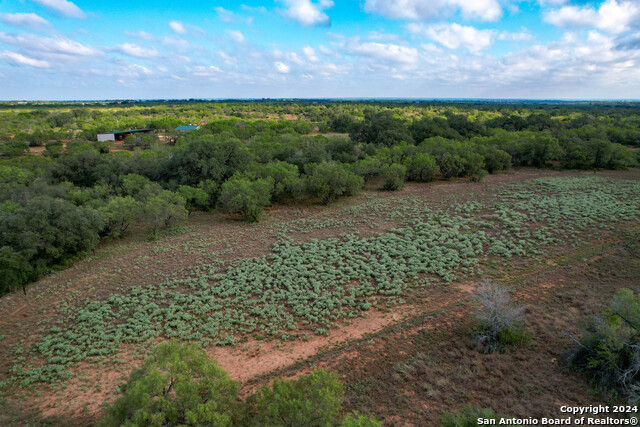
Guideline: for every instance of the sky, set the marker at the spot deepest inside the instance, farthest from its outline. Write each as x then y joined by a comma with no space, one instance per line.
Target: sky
143,49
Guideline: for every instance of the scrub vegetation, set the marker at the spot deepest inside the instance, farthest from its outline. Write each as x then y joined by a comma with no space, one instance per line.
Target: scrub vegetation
276,225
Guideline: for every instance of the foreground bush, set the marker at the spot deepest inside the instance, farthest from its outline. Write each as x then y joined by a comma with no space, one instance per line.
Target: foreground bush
501,322
180,385
177,385
467,417
312,400
609,351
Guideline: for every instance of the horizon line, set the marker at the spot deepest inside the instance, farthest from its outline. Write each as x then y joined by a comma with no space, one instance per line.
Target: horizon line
298,99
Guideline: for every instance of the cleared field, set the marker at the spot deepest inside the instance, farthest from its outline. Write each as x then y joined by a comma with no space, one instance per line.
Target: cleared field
262,297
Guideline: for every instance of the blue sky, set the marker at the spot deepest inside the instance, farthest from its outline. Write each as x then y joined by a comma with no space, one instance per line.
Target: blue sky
82,49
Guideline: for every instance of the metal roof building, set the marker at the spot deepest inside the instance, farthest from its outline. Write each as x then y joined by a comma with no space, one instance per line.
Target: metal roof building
120,134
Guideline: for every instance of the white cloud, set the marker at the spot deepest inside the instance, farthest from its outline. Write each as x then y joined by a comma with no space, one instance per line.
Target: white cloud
522,36
226,58
141,69
385,52
572,16
307,13
236,36
175,41
224,14
383,37
141,35
310,53
552,2
259,9
455,35
47,45
63,7
612,16
281,67
486,10
30,20
20,59
177,27
137,51
211,71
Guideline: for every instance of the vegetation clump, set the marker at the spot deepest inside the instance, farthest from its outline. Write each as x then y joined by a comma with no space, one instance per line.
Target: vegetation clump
180,385
177,385
609,351
467,417
501,322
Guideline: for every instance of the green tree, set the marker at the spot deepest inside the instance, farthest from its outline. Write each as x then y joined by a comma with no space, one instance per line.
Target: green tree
609,351
421,167
314,399
177,385
286,178
329,181
246,197
196,197
367,168
451,165
48,231
53,149
15,271
139,187
164,209
119,213
13,148
205,158
393,177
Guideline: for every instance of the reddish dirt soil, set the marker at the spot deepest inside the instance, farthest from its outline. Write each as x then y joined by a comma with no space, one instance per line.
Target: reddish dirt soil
445,369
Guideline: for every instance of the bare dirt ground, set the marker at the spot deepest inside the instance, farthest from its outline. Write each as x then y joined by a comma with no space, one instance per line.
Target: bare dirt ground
404,366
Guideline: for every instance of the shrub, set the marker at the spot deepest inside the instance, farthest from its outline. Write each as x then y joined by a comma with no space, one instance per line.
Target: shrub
119,213
15,271
164,210
48,231
312,400
180,385
53,149
177,385
329,181
196,197
451,165
421,167
286,178
609,351
393,177
13,148
367,168
245,197
501,323
467,417
358,420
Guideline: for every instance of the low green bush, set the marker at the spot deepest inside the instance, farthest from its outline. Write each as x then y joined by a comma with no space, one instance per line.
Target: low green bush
467,417
180,385
609,350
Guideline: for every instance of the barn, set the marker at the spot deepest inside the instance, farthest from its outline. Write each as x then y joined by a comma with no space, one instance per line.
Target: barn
121,134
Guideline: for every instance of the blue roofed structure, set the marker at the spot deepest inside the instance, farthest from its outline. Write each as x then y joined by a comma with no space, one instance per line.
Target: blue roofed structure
187,128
